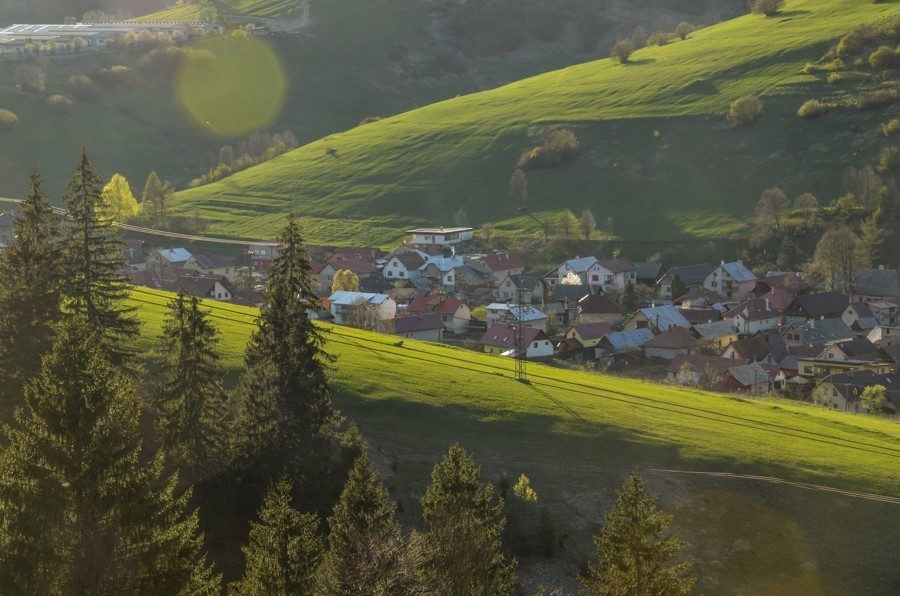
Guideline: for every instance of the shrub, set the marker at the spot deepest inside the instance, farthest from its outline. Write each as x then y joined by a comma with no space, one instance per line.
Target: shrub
659,38
369,120
813,108
60,104
684,29
745,110
164,62
557,146
82,87
8,121
872,100
115,76
31,78
891,128
889,160
884,58
622,51
810,69
766,7
834,78
856,39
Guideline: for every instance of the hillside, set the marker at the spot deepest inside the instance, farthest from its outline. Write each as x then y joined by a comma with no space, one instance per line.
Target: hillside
656,155
274,9
750,536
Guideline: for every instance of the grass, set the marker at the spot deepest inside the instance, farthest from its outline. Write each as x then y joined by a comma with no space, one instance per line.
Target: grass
577,435
241,8
653,142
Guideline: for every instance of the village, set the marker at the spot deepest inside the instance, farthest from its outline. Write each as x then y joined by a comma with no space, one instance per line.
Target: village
716,327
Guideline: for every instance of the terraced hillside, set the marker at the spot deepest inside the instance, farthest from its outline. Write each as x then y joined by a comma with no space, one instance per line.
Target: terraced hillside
577,435
274,9
656,155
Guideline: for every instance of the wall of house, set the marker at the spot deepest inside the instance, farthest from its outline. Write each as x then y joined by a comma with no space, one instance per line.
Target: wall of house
668,353
427,335
541,348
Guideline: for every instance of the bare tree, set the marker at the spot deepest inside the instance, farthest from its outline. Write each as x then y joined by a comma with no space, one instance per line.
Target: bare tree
772,203
588,224
567,223
518,189
838,256
807,204
362,314
863,183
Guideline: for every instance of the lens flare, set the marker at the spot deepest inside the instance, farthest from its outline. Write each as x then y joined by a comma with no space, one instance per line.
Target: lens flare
238,90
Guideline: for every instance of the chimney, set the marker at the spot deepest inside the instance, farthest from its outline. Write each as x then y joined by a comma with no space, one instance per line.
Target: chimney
812,323
768,307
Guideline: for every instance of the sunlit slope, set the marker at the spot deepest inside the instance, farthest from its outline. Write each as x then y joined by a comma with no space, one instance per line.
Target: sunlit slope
652,156
249,8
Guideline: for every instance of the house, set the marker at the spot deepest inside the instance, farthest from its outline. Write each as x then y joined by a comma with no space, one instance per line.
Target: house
703,372
657,318
599,308
437,237
875,284
168,258
580,341
426,327
262,255
700,297
614,273
824,305
454,313
858,349
779,299
341,305
213,265
790,282
884,336
818,368
624,341
717,335
326,274
216,287
885,312
763,347
499,312
748,379
649,273
858,317
368,254
586,269
671,342
147,278
500,339
405,265
816,332
842,391
376,284
504,263
754,315
731,280
691,277
528,286
697,316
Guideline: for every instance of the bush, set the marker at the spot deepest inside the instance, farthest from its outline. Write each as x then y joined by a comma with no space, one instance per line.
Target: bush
622,51
810,69
82,87
31,78
891,128
872,100
884,58
8,121
164,62
813,108
558,145
766,7
834,78
116,77
889,160
60,104
857,39
745,110
684,29
659,38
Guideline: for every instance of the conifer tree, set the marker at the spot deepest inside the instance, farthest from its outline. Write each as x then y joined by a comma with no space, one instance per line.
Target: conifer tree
30,293
461,551
632,556
190,398
95,286
366,549
155,200
79,511
285,393
284,549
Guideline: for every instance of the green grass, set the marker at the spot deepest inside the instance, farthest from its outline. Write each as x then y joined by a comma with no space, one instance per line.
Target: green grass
244,8
576,435
656,154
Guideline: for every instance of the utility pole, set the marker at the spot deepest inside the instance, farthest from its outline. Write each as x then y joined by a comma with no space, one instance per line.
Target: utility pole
519,336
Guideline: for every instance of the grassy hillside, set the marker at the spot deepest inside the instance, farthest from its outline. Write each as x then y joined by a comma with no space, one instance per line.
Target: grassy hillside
577,435
274,9
655,154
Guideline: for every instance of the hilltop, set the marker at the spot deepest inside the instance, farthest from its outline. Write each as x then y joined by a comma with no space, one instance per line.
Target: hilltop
657,155
749,535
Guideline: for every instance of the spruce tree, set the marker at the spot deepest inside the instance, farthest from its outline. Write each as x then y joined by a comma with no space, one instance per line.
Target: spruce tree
461,551
284,549
285,393
190,399
366,549
30,293
79,511
632,557
95,286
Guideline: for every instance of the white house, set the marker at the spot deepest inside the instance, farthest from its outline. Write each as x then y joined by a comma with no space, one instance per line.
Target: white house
454,313
215,287
614,273
340,303
499,312
587,269
500,339
754,315
405,265
731,280
529,284
440,236
213,265
168,257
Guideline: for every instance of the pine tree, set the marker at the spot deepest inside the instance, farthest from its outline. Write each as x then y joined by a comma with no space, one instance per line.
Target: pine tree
284,549
190,398
632,556
30,293
461,551
285,393
95,286
630,299
155,200
366,550
79,511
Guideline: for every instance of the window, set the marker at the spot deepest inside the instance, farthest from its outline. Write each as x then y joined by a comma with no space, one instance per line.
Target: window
535,344
402,273
807,370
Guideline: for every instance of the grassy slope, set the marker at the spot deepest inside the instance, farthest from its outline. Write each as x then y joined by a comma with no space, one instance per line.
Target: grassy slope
576,440
249,8
648,143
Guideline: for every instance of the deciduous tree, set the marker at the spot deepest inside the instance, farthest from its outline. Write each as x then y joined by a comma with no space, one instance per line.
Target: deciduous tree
587,223
518,189
622,51
345,281
771,205
873,398
119,203
838,256
156,199
766,7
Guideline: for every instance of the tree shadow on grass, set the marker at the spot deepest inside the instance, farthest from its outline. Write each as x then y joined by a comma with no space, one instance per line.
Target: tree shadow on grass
639,62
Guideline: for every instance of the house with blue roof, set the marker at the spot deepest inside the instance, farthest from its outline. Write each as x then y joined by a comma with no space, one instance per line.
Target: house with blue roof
732,280
657,319
168,258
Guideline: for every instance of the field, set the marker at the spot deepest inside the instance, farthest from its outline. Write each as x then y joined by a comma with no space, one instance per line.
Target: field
274,9
656,154
577,435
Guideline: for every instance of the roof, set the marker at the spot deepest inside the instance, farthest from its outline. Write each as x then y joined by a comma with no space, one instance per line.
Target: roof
749,374
592,330
737,271
146,277
759,347
820,305
675,338
348,298
213,261
598,304
792,282
618,265
649,271
412,260
175,255
375,284
877,282
624,341
700,315
691,275
663,317
200,285
523,313
779,298
699,294
449,306
852,383
501,335
438,230
715,330
503,261
579,265
528,280
414,323
699,363
754,309
858,348
822,331
355,265
572,292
